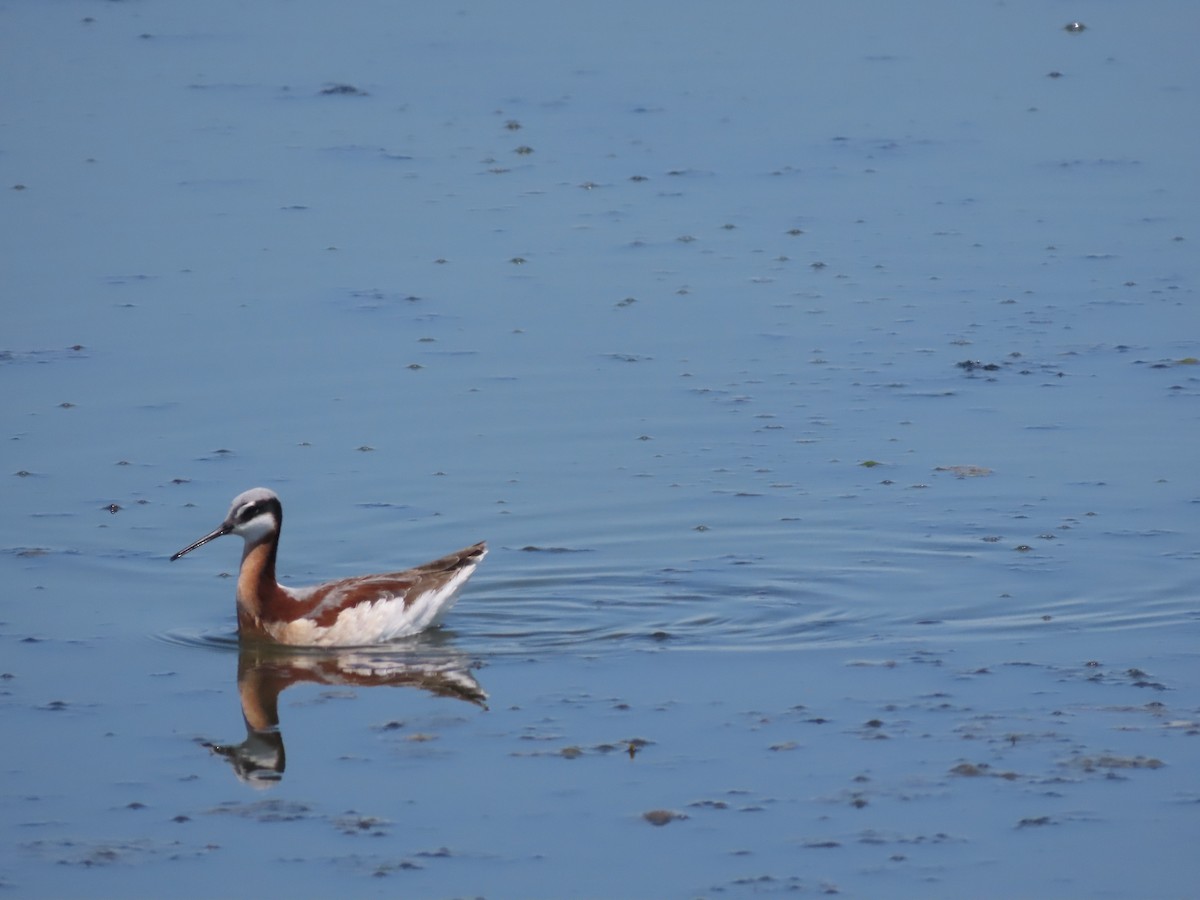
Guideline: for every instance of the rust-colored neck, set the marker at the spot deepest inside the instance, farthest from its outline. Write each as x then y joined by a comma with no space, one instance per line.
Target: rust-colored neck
257,586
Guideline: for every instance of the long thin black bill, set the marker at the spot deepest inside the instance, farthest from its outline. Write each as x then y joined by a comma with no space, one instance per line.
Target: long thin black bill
223,530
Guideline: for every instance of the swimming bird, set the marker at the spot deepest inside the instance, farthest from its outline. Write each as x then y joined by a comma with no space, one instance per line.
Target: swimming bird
366,609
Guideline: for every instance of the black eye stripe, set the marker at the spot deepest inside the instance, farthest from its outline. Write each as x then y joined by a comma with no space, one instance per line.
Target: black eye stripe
256,508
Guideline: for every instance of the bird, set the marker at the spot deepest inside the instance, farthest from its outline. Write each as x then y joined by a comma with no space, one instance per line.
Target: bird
350,612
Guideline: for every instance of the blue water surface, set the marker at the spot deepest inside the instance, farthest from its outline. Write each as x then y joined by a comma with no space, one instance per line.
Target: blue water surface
823,377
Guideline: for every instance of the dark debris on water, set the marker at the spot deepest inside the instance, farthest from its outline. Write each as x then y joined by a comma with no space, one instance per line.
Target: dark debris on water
660,817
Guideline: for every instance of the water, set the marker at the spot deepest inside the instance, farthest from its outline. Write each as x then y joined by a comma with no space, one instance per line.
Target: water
823,381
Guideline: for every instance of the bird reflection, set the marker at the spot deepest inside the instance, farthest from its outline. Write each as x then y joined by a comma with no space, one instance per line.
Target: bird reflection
266,670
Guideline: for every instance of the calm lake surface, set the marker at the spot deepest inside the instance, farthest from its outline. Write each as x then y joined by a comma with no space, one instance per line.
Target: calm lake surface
824,378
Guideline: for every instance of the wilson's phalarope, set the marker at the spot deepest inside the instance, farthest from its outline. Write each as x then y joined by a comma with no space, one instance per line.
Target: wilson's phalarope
367,609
